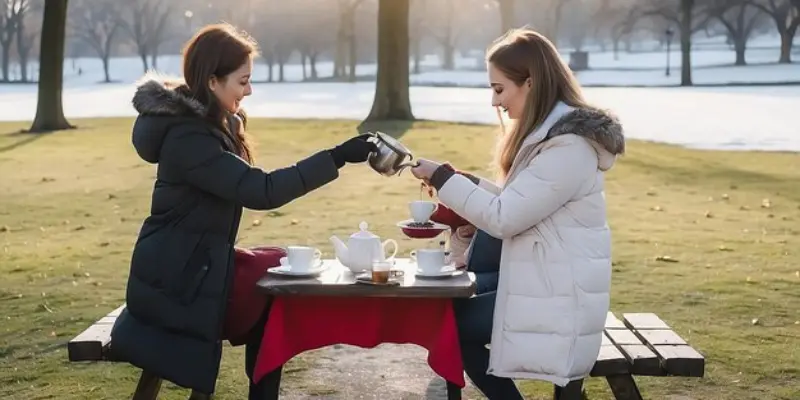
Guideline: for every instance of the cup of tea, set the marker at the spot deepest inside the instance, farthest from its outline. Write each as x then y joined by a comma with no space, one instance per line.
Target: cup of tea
430,261
381,270
302,258
421,210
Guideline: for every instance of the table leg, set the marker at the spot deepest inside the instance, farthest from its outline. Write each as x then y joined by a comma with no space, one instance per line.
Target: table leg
453,391
624,387
573,391
148,387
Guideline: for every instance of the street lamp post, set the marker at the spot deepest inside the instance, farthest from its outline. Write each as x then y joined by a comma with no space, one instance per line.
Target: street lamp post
668,33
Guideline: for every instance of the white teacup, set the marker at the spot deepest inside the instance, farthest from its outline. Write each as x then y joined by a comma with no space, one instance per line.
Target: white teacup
430,261
302,258
421,210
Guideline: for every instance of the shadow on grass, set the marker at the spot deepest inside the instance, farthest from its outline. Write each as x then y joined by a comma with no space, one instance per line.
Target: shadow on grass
395,128
712,175
26,138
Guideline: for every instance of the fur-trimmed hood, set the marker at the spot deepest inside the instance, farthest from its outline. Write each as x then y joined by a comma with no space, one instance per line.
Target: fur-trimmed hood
160,95
163,103
600,127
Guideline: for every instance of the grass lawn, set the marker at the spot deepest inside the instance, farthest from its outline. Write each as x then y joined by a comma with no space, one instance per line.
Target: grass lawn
71,204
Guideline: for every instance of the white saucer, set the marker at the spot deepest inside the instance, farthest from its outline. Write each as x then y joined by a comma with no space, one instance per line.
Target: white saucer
407,224
286,270
445,272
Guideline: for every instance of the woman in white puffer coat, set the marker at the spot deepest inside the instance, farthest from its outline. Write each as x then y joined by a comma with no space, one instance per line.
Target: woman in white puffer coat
545,318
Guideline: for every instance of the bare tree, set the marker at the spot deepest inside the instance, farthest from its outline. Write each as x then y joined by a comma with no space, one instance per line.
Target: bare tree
49,107
446,31
26,36
786,14
418,26
313,34
146,23
506,15
96,22
392,101
346,51
688,17
739,18
11,11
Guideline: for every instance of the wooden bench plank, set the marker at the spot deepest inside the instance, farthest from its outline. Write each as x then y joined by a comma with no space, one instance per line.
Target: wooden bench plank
612,322
681,361
92,344
642,360
658,337
676,357
641,321
610,360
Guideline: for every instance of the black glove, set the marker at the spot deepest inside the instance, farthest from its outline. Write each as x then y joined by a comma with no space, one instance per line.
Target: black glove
353,150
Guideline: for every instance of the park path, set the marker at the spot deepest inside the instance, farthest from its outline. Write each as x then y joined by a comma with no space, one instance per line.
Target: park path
387,372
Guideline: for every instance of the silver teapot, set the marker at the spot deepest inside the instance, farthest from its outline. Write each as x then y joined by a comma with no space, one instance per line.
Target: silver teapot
390,159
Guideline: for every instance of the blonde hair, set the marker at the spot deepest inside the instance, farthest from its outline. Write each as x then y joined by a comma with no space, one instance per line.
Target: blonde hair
521,54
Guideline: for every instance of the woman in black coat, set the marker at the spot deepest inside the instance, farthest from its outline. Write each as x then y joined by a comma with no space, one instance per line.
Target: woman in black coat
182,264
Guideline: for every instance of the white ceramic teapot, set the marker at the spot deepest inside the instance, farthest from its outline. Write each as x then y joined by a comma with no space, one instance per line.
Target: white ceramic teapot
362,249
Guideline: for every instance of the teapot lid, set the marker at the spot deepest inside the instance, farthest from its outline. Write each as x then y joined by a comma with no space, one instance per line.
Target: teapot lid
363,233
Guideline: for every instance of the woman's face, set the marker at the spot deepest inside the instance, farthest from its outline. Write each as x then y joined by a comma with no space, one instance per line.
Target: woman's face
506,94
231,89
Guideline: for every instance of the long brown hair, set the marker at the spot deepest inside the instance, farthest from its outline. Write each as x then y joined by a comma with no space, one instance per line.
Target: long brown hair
216,51
521,54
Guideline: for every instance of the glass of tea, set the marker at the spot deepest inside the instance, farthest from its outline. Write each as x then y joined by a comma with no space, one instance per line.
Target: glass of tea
381,270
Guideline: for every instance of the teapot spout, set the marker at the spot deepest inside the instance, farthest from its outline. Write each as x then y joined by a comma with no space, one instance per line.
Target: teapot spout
340,249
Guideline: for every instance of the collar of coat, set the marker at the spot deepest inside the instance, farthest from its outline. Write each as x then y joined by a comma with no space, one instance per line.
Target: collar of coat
600,127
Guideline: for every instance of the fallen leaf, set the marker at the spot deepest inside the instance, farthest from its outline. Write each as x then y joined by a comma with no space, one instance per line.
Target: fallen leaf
112,196
256,222
5,228
651,192
766,203
744,208
79,228
755,321
725,196
708,214
724,248
656,208
295,222
104,244
666,259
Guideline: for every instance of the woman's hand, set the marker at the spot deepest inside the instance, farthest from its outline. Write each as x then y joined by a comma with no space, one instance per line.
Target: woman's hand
424,169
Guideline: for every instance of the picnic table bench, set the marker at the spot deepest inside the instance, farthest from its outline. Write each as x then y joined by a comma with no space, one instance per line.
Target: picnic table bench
640,344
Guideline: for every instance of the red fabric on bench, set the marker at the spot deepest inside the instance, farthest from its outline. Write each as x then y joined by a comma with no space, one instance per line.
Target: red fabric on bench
300,323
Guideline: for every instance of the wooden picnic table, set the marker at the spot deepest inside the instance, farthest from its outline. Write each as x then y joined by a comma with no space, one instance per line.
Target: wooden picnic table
338,281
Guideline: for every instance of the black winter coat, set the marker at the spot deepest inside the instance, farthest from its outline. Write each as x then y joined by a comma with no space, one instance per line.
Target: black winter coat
182,263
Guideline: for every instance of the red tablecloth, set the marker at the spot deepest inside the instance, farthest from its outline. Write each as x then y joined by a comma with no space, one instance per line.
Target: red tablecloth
300,323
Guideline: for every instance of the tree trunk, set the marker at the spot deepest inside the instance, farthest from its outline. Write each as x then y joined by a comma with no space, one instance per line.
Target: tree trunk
49,109
616,48
270,77
105,59
417,45
6,62
448,59
392,100
312,59
506,15
339,57
787,37
740,45
303,63
686,42
353,59
143,56
280,72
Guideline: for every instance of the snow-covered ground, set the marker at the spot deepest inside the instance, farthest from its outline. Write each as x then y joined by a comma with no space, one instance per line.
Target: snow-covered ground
703,117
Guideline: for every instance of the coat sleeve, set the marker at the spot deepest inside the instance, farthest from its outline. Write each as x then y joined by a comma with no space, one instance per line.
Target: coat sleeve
203,163
547,183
